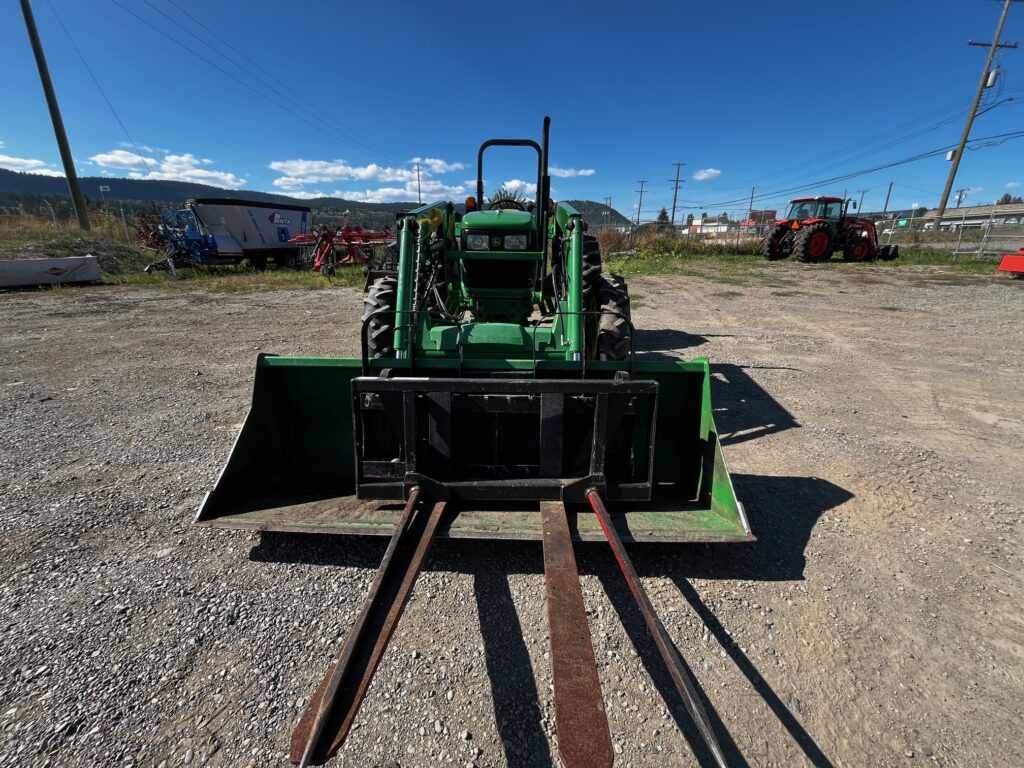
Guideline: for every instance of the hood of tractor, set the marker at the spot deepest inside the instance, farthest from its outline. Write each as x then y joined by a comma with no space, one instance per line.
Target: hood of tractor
504,221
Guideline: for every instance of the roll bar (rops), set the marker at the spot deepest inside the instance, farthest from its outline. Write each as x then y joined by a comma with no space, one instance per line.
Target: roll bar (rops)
543,179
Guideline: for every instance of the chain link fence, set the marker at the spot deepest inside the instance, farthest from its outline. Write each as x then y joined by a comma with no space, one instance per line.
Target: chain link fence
989,239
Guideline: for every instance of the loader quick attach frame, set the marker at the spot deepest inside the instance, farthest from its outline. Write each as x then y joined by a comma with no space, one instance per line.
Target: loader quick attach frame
483,439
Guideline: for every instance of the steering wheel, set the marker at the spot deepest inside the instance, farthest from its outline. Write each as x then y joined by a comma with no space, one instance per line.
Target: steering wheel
506,202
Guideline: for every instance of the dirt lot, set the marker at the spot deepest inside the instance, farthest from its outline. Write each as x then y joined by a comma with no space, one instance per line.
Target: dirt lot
872,418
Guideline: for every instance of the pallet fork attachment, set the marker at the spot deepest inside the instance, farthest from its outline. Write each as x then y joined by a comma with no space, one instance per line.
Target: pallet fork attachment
581,723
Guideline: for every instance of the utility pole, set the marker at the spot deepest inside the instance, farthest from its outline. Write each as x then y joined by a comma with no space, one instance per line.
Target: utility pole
750,208
607,212
675,192
960,195
860,205
993,47
887,196
77,199
419,193
640,205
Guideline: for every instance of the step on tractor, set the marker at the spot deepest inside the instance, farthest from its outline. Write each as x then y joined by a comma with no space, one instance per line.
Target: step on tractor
817,227
498,395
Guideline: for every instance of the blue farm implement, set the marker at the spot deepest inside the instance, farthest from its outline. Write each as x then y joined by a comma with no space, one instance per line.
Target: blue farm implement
211,231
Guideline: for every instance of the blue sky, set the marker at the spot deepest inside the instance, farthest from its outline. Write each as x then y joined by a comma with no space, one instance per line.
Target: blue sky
342,98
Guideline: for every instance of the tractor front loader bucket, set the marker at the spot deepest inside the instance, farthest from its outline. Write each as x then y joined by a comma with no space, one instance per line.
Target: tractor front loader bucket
338,445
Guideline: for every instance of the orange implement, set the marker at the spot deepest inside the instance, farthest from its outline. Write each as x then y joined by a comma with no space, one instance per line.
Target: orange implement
1013,263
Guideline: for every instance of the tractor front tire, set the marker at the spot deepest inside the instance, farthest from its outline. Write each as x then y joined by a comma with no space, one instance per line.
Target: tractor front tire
379,317
813,243
614,337
858,249
591,270
771,244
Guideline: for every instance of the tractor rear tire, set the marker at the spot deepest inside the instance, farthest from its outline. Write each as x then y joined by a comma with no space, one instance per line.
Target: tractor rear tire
771,244
591,270
858,249
813,243
614,338
380,302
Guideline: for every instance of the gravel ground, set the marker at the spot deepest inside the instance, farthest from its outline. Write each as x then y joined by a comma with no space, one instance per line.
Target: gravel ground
872,418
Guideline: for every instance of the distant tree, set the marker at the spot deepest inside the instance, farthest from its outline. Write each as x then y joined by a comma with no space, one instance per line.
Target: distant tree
514,195
1008,199
704,215
689,219
723,218
663,216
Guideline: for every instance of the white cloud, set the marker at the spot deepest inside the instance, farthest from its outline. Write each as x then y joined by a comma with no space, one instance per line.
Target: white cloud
28,165
186,167
1009,184
518,185
123,160
569,173
143,148
431,189
300,172
704,174
435,165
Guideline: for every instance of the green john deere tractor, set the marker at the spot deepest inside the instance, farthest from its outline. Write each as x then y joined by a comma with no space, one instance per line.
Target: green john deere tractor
498,395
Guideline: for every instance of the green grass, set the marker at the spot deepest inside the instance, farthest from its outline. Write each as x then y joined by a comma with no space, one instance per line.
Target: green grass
653,258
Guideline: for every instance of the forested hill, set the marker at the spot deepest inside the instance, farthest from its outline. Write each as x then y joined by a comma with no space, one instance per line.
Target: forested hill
26,191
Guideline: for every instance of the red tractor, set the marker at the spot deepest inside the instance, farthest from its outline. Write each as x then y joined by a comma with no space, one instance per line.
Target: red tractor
817,227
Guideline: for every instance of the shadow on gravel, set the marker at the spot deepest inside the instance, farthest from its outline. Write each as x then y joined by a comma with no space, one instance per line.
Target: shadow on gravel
803,739
782,513
636,630
516,701
743,409
665,340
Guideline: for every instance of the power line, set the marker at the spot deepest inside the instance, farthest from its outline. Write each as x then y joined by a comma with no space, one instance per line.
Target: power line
99,87
261,94
982,142
364,142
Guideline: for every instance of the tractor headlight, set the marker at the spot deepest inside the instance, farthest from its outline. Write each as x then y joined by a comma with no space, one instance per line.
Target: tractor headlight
477,243
515,242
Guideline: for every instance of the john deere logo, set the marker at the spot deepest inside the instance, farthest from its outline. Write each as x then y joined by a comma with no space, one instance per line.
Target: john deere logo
495,242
